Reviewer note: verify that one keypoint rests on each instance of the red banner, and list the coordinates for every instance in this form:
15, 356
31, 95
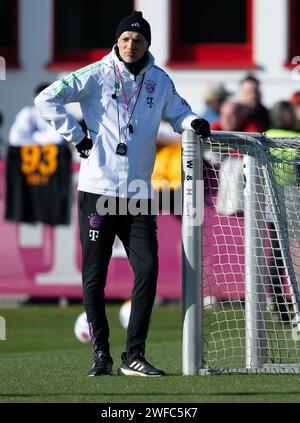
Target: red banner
44, 261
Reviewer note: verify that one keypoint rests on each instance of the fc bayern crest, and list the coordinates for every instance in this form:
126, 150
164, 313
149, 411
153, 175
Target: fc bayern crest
150, 86
95, 220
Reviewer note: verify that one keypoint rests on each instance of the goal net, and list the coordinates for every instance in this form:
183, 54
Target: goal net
249, 256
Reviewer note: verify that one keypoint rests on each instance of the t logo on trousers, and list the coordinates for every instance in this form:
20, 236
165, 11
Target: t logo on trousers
94, 235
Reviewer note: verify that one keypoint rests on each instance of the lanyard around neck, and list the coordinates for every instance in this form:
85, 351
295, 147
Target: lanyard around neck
137, 89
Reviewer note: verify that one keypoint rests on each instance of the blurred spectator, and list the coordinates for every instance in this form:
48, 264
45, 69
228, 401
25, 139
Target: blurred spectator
214, 94
38, 171
166, 135
167, 169
283, 124
250, 96
166, 176
230, 196
283, 120
30, 128
3, 144
234, 117
295, 101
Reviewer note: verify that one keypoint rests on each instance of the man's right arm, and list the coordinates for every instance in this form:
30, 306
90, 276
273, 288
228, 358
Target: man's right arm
51, 102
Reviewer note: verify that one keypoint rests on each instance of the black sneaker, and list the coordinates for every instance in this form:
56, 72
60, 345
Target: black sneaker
138, 366
102, 365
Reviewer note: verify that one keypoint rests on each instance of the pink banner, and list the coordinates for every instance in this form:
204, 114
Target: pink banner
42, 261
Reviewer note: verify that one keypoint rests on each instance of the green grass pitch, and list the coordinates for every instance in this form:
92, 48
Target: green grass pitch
41, 361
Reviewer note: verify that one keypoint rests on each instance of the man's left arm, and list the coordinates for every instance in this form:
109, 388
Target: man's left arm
179, 114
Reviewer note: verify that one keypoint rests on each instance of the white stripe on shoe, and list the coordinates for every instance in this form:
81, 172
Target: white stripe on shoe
128, 372
141, 366
133, 364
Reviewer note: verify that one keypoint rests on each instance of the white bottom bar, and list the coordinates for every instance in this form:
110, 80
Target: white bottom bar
266, 369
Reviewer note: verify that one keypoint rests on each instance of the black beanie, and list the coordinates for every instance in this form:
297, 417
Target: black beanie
135, 22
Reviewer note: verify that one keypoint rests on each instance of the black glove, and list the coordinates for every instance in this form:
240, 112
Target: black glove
84, 147
201, 127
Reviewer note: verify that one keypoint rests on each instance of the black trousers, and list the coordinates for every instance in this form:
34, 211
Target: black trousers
138, 234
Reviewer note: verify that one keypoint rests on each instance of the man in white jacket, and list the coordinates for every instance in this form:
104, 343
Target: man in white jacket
123, 98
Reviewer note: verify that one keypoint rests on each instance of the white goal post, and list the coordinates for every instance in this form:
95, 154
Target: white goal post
240, 254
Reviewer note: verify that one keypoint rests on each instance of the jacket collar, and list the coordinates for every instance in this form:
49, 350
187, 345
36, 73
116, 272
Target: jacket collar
123, 69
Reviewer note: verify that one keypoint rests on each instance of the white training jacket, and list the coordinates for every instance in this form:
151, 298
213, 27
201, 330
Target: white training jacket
105, 172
